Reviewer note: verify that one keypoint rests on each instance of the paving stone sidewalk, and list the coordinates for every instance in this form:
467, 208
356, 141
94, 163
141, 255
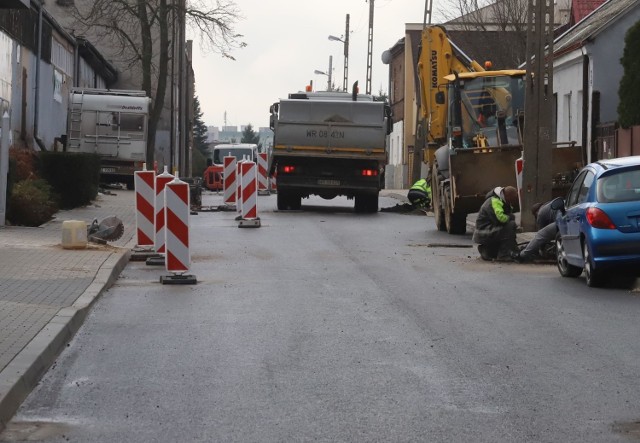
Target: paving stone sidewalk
46, 291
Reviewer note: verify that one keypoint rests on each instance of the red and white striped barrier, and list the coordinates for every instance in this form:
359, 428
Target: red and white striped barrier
249, 191
176, 198
249, 195
273, 182
229, 180
178, 254
239, 186
160, 230
144, 183
519, 167
263, 182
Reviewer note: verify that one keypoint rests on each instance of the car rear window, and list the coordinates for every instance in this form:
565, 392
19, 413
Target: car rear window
621, 187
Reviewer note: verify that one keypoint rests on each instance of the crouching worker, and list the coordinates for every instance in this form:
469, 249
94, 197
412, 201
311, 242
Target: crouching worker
419, 197
495, 230
546, 231
420, 194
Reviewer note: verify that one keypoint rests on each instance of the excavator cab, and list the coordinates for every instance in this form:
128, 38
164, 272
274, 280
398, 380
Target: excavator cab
484, 108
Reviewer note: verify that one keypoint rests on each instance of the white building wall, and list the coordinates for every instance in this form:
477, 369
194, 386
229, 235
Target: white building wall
394, 170
6, 77
396, 147
567, 85
604, 51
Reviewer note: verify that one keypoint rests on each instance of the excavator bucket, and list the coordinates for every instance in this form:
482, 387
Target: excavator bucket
476, 171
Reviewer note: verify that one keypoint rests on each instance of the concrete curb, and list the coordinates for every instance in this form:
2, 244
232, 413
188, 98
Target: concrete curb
22, 375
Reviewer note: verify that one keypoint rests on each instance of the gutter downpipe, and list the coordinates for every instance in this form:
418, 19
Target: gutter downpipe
76, 63
586, 108
37, 88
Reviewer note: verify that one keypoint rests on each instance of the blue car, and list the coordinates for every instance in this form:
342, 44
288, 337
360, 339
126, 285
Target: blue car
599, 222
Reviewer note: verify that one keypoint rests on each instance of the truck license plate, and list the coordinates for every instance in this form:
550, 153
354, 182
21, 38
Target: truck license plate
329, 182
108, 169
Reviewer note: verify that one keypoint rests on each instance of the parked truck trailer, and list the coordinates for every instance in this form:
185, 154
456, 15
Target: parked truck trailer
113, 124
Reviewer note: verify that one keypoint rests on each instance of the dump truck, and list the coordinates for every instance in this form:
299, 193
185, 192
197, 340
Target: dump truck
470, 125
329, 144
113, 124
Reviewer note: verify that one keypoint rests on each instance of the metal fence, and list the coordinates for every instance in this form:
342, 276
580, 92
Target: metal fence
612, 141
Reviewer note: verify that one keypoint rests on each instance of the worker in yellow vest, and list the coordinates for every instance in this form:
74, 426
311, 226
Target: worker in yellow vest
420, 194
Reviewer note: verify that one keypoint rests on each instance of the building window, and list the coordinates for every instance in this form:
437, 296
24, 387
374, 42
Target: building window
61, 58
568, 121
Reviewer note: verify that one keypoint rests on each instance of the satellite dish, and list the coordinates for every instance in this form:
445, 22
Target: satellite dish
386, 57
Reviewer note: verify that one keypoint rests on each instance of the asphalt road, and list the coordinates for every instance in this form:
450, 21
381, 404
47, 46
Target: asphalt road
327, 325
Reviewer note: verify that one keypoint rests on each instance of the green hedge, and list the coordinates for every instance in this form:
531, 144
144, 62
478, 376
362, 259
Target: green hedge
75, 177
31, 203
11, 177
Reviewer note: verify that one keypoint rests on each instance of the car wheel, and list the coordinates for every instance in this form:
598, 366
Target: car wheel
566, 269
593, 276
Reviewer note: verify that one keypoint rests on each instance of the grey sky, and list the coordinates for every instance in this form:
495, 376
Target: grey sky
287, 40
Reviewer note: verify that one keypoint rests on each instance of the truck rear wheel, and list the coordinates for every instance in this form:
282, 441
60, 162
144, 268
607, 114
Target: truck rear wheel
288, 200
438, 213
366, 203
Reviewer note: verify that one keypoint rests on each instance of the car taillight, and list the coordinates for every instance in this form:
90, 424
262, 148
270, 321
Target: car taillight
599, 219
288, 169
369, 172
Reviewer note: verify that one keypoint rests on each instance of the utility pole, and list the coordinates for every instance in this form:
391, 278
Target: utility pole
345, 42
345, 81
329, 86
370, 47
536, 173
4, 163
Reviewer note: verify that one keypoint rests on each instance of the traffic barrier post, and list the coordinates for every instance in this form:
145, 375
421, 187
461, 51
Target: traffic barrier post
160, 230
178, 254
229, 180
249, 192
144, 184
519, 167
263, 182
239, 187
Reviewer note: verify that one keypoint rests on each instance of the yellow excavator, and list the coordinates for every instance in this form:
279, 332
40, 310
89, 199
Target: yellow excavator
469, 122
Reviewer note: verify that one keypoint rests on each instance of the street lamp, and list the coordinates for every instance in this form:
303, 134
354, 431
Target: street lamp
346, 53
328, 75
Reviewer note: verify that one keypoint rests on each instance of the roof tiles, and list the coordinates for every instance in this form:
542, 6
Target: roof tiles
581, 8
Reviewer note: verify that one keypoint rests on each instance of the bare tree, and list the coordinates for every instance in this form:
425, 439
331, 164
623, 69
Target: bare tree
141, 36
495, 29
